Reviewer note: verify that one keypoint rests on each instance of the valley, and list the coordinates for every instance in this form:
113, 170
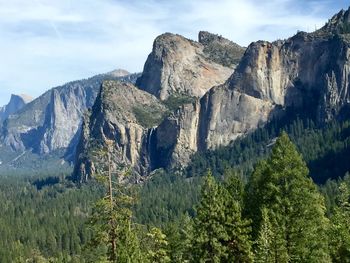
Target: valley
215, 152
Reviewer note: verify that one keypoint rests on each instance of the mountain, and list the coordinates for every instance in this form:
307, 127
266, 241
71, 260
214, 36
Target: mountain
51, 123
179, 66
338, 24
307, 74
16, 103
122, 114
177, 71
119, 73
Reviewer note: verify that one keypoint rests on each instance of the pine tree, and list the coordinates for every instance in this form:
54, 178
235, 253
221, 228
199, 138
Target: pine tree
234, 185
158, 253
238, 229
114, 235
263, 249
295, 208
219, 233
180, 238
340, 229
209, 231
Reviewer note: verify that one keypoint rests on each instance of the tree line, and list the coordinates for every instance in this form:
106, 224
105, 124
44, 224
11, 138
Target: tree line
278, 216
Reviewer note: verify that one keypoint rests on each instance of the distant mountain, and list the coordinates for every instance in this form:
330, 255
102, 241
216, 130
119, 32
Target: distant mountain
51, 123
119, 73
16, 103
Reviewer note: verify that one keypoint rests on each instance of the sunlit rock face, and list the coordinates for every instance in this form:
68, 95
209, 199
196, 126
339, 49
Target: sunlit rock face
125, 116
181, 66
307, 73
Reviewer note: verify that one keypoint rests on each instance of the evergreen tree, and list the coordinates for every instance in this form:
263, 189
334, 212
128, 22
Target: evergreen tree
264, 250
295, 208
209, 231
180, 238
234, 185
114, 234
340, 230
219, 233
158, 252
238, 229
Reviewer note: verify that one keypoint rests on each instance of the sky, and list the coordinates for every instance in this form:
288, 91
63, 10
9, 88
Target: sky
46, 43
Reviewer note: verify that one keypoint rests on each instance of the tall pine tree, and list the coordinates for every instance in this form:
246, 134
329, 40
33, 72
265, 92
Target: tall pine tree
219, 233
114, 235
294, 208
340, 230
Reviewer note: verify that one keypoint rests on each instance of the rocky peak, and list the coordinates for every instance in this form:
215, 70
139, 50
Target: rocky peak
16, 103
220, 49
178, 65
307, 73
125, 115
339, 23
119, 73
26, 98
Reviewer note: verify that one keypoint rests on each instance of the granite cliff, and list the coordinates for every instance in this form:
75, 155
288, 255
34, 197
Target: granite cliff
307, 73
176, 72
124, 115
179, 66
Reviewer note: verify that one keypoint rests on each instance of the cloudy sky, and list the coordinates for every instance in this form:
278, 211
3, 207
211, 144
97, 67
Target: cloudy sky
45, 43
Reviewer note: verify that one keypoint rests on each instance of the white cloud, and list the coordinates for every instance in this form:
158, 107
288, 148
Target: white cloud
45, 43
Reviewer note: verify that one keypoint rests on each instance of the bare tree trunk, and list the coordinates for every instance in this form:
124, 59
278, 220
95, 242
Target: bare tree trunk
112, 236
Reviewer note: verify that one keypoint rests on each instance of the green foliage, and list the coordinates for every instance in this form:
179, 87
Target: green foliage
294, 207
326, 150
114, 236
148, 116
219, 232
176, 100
46, 223
340, 230
106, 222
44, 219
158, 252
165, 198
264, 251
180, 236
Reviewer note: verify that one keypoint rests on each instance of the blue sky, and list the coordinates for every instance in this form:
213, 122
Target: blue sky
45, 43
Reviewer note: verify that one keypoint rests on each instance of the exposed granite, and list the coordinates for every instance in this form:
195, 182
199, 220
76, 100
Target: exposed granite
181, 66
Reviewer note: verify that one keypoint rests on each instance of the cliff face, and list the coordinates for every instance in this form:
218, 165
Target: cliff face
52, 121
307, 73
217, 119
180, 66
124, 115
177, 68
